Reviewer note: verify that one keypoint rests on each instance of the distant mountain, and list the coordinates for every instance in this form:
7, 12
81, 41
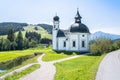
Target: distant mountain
100, 34
46, 27
116, 40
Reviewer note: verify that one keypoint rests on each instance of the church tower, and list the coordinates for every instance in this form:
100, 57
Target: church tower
54, 32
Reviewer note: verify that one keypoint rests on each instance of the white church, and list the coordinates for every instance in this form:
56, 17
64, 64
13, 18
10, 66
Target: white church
76, 38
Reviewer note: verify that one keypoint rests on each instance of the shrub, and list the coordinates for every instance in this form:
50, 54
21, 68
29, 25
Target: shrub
116, 45
100, 46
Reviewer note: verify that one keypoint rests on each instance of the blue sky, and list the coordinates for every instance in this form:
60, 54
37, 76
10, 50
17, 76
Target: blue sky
98, 15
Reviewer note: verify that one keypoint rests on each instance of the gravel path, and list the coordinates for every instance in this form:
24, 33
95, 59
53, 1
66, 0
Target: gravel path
46, 71
109, 68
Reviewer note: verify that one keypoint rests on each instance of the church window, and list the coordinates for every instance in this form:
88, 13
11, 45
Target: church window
73, 43
83, 35
64, 44
83, 43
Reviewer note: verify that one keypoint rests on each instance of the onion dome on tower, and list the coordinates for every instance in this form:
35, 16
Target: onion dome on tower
56, 18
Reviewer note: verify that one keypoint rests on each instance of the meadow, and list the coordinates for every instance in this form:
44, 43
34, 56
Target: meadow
82, 68
50, 54
53, 55
9, 55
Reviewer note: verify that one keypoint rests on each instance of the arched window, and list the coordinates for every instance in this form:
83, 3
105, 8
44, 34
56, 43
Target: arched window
83, 43
74, 44
64, 44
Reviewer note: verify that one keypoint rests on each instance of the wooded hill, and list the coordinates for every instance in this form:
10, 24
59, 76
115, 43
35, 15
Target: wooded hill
5, 26
46, 27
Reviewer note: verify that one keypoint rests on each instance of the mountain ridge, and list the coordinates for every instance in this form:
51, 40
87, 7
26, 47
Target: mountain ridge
100, 34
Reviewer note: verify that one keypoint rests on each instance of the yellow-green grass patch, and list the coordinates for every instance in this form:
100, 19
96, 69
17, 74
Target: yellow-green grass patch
82, 68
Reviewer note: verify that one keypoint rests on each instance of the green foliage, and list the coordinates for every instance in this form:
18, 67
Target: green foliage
26, 43
19, 41
46, 41
5, 26
33, 43
5, 44
11, 36
40, 30
116, 45
13, 45
101, 46
18, 75
33, 36
83, 68
46, 27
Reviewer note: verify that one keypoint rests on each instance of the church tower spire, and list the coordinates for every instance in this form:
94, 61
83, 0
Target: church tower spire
78, 17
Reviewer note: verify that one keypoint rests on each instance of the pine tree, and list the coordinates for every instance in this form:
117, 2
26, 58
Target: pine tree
19, 40
11, 36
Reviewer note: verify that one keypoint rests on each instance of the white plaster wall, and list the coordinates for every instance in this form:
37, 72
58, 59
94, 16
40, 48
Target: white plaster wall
58, 43
67, 45
54, 35
73, 37
56, 24
85, 38
54, 40
61, 43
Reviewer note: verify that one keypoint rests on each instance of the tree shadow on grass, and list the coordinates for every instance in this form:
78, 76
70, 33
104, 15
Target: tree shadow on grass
70, 52
94, 54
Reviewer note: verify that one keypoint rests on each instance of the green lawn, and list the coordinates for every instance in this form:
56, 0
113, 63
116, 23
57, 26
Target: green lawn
83, 68
52, 55
18, 75
8, 55
5, 56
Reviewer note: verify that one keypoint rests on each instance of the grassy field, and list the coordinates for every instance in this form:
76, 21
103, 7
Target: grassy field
83, 68
8, 55
16, 75
29, 61
52, 55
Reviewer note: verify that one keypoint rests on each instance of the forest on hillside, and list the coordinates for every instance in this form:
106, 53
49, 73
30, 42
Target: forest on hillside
5, 26
46, 27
